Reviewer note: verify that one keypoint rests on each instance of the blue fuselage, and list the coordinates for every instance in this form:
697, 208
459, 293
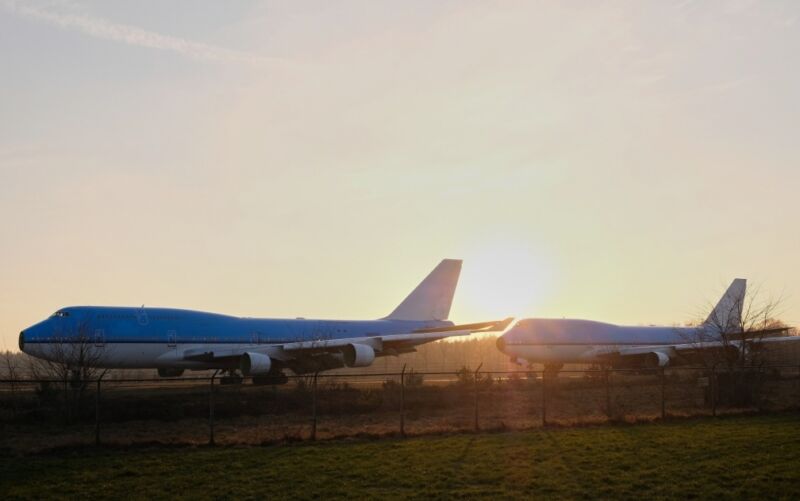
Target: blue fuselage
155, 337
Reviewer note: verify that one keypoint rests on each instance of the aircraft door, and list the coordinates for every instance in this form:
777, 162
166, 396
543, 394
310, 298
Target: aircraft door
172, 338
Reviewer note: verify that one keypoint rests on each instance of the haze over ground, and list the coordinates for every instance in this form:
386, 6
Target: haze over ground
621, 161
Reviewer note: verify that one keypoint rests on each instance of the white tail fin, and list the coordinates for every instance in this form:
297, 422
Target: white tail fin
432, 298
727, 315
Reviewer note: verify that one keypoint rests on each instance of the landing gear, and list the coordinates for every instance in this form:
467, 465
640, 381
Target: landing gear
231, 377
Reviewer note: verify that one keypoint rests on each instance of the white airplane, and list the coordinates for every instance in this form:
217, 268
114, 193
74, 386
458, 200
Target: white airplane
555, 342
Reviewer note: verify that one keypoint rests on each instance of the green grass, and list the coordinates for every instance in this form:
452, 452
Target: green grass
707, 458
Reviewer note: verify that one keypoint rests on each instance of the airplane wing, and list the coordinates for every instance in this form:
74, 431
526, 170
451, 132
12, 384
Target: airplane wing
661, 354
493, 326
380, 344
395, 342
296, 354
392, 344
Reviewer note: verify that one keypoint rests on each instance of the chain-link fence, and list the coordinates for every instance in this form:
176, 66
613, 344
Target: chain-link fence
44, 414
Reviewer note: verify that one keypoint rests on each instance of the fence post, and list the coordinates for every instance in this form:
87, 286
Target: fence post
15, 404
211, 409
663, 394
314, 407
477, 425
544, 398
403, 401
758, 386
712, 384
607, 383
66, 399
97, 411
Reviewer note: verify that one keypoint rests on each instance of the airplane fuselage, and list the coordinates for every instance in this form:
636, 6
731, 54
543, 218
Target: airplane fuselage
125, 337
555, 342
560, 341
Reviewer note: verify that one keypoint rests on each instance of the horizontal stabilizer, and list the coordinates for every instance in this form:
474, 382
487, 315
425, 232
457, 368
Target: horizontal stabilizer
494, 326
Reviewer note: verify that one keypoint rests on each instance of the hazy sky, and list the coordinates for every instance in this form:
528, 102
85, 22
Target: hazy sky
612, 160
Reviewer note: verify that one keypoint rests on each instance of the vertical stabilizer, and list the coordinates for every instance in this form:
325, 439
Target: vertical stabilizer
432, 298
727, 314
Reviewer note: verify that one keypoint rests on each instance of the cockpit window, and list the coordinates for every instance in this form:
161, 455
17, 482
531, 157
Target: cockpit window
60, 314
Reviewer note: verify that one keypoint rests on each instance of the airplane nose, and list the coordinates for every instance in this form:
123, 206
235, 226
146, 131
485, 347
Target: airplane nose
22, 341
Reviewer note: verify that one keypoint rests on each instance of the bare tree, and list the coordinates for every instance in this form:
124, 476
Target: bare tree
11, 372
737, 331
10, 365
73, 359
730, 343
442, 346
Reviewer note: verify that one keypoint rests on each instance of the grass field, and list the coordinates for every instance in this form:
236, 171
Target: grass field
754, 456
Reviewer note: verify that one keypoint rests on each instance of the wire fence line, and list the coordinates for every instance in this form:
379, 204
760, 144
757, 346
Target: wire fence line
41, 413
363, 375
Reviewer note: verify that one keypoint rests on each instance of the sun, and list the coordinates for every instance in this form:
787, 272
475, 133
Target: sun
504, 279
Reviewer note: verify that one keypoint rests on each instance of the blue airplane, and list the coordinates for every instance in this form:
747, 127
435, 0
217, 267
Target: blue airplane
555, 342
174, 340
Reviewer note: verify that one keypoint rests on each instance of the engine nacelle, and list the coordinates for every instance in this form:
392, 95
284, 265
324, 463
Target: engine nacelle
254, 364
657, 359
358, 355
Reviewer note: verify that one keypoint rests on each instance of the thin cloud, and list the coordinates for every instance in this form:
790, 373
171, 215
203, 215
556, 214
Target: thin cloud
132, 35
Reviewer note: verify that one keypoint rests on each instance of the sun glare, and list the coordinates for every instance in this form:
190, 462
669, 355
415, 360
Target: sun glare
505, 279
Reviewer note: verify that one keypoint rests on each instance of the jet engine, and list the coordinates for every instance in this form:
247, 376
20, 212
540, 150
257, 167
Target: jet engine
358, 355
657, 359
254, 364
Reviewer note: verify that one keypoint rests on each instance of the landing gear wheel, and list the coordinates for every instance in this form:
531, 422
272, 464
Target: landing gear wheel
231, 377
